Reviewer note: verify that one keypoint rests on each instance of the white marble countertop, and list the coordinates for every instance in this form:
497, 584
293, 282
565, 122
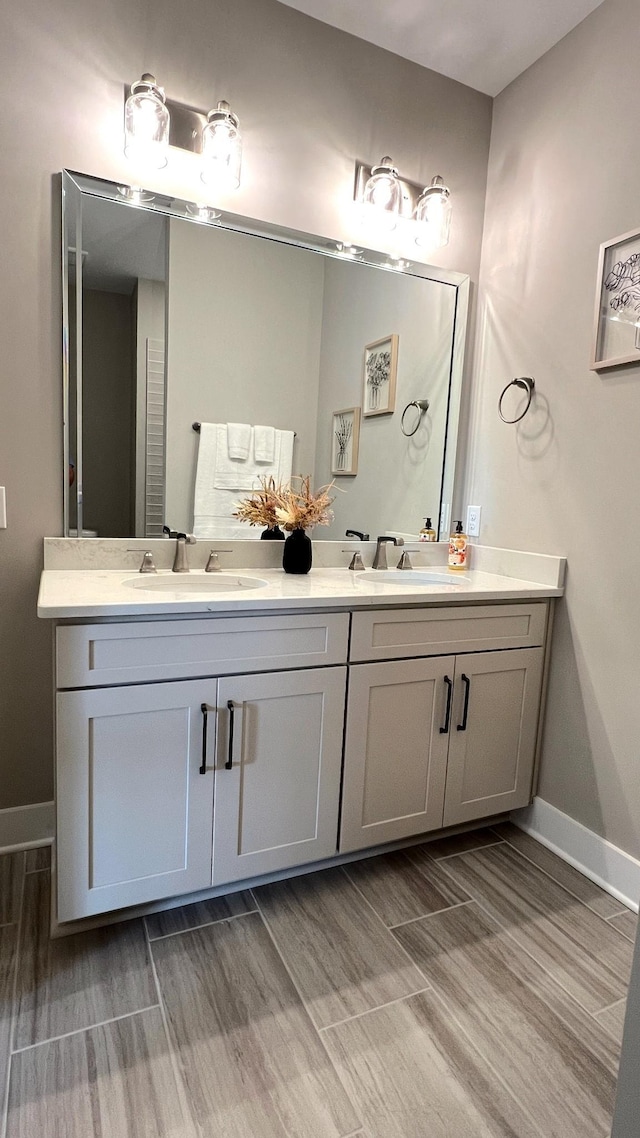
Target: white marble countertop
66, 594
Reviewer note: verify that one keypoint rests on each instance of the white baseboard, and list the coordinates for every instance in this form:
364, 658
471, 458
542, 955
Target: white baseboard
610, 867
23, 827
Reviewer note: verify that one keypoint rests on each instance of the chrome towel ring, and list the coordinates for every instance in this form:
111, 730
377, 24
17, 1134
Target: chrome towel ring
527, 384
421, 406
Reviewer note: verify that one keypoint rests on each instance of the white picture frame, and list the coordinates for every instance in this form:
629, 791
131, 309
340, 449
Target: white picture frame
379, 376
345, 442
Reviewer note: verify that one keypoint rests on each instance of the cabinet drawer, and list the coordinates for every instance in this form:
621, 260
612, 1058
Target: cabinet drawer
394, 634
98, 654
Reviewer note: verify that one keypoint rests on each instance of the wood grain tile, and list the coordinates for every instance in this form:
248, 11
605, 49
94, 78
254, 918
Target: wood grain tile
39, 858
399, 890
557, 1061
11, 877
8, 958
201, 913
587, 891
341, 957
410, 1071
79, 980
251, 1060
458, 843
590, 959
612, 1019
113, 1081
626, 923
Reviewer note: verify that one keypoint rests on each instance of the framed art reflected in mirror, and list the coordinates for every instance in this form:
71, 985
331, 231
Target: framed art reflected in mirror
345, 441
380, 371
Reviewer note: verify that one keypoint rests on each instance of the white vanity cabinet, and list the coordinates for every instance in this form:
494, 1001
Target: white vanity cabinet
140, 765
194, 753
434, 741
277, 780
134, 811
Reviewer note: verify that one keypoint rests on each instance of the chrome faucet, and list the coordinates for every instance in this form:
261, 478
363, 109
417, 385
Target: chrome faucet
380, 558
180, 561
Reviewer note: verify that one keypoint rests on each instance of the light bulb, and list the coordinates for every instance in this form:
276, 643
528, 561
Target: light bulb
433, 215
221, 149
146, 124
382, 196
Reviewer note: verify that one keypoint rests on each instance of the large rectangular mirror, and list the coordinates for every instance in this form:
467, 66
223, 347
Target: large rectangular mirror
203, 354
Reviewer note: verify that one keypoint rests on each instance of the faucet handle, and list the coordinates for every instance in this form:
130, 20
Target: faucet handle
405, 561
213, 564
147, 561
356, 564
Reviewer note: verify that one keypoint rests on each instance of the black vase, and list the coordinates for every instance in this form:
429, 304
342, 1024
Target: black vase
297, 552
274, 533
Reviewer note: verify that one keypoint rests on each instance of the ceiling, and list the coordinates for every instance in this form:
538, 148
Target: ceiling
120, 245
483, 43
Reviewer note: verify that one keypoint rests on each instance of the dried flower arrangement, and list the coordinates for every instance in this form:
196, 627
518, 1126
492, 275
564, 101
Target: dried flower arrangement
286, 506
259, 509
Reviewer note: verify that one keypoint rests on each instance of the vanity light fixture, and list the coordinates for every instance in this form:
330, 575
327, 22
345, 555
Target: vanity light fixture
382, 195
433, 215
146, 124
221, 148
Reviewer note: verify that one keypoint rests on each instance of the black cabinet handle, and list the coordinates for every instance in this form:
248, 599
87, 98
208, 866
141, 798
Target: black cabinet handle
205, 714
229, 763
447, 715
465, 711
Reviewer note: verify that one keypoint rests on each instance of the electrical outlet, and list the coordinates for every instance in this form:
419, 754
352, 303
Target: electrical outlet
3, 508
474, 514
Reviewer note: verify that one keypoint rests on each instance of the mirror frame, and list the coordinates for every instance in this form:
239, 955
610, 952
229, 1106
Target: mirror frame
76, 186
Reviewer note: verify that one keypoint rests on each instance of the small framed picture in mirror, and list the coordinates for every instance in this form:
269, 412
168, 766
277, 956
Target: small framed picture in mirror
379, 376
345, 440
616, 334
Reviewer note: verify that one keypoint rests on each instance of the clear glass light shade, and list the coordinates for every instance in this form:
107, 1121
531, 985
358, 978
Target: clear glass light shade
382, 196
221, 149
146, 124
433, 215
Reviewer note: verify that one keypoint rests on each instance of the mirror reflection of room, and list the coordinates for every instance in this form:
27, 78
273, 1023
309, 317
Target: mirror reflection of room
214, 359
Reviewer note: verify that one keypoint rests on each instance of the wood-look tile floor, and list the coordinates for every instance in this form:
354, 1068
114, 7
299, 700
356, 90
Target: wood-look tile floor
472, 987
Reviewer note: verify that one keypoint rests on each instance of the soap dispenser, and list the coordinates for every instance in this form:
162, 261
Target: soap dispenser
458, 548
427, 533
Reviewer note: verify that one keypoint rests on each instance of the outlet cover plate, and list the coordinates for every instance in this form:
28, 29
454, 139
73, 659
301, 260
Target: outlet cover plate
3, 508
474, 515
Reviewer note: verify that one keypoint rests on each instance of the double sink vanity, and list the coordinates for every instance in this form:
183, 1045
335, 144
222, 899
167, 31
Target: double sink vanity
219, 728
214, 729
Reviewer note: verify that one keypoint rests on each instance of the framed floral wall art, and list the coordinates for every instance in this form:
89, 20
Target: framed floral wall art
379, 376
345, 440
616, 337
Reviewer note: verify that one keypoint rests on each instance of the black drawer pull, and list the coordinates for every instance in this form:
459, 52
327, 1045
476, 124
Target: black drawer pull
229, 763
465, 711
447, 716
205, 715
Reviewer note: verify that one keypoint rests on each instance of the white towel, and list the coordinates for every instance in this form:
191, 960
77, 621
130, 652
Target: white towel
239, 440
232, 473
264, 444
214, 504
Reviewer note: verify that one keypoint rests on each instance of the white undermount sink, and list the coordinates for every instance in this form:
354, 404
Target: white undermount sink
203, 583
410, 577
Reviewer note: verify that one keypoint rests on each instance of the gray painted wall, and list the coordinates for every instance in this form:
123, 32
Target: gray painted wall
311, 100
398, 479
563, 177
244, 321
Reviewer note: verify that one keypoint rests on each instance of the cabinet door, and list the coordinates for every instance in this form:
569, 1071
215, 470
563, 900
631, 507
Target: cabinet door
277, 782
134, 813
395, 751
492, 746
